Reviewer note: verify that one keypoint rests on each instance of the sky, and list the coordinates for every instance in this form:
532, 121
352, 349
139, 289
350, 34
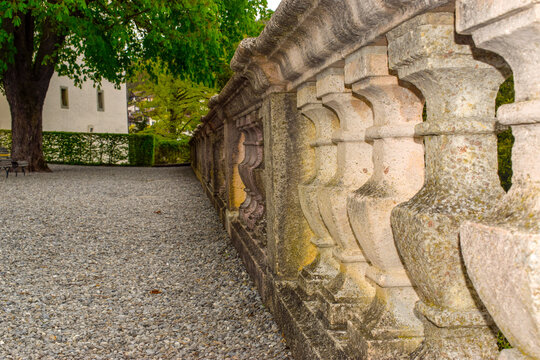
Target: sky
273, 4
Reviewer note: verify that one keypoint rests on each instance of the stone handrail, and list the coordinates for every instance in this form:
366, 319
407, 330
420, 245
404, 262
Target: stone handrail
370, 232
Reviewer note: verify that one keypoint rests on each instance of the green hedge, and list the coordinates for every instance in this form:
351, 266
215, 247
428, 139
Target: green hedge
85, 148
107, 149
141, 150
169, 151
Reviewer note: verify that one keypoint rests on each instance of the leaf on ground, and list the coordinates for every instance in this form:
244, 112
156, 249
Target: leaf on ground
155, 291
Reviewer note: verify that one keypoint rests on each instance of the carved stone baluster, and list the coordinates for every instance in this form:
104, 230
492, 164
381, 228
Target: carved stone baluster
502, 250
324, 267
208, 155
252, 209
204, 149
460, 84
349, 291
388, 329
243, 170
217, 160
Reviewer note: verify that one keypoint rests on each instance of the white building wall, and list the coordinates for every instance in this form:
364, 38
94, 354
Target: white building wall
82, 113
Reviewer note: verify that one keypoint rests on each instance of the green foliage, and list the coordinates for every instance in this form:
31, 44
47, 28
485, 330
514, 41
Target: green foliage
108, 149
239, 19
80, 148
505, 142
169, 151
176, 105
5, 139
141, 150
506, 94
102, 39
95, 40
502, 342
505, 139
85, 148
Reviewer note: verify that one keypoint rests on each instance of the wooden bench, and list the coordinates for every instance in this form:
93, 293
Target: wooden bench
8, 164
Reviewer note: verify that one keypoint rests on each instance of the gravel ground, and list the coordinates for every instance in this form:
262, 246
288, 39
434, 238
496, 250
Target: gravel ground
123, 263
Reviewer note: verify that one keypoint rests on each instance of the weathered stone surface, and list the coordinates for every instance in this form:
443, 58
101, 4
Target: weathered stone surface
513, 354
324, 267
459, 84
388, 328
289, 162
234, 153
348, 291
502, 248
305, 37
252, 210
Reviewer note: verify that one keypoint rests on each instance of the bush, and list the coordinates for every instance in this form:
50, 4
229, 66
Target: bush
141, 150
108, 149
5, 139
85, 148
169, 151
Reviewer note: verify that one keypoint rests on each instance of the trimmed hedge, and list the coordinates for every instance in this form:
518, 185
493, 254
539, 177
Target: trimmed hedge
141, 150
169, 151
107, 149
85, 148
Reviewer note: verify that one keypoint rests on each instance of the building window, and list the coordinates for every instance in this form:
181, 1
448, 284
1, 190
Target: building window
64, 97
100, 100
90, 128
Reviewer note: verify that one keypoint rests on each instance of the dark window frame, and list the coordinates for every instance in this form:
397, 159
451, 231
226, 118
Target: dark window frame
100, 100
64, 104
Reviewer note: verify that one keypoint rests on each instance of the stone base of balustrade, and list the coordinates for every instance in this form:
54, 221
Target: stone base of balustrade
382, 349
339, 299
383, 342
313, 277
197, 173
220, 206
254, 259
216, 201
456, 343
306, 335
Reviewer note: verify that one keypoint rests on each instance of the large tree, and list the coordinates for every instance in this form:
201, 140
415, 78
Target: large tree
91, 40
176, 104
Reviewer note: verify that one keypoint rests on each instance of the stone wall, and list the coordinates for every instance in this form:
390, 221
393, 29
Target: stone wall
370, 233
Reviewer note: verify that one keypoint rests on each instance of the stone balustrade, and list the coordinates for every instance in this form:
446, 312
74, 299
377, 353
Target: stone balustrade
373, 231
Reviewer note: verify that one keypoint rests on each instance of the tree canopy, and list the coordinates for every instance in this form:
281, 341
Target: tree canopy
101, 39
95, 39
176, 104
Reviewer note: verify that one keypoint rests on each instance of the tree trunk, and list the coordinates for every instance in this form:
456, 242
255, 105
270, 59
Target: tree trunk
26, 98
26, 81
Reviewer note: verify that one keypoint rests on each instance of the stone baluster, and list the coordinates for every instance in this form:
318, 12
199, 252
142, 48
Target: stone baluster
208, 155
388, 329
243, 168
349, 291
324, 267
218, 160
460, 84
252, 209
204, 149
502, 250
234, 154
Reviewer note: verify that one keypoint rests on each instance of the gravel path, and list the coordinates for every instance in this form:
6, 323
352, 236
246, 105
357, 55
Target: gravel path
123, 263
